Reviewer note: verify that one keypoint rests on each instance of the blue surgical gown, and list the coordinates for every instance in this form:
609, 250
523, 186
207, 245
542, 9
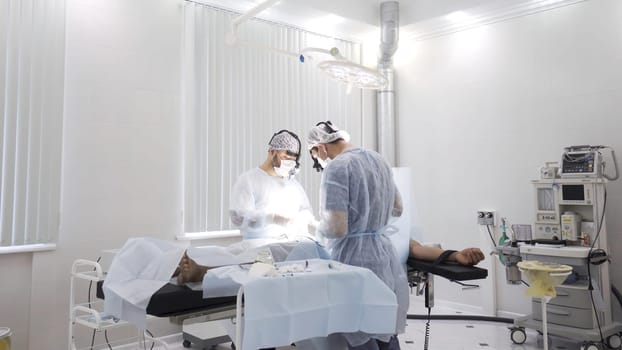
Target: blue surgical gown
360, 183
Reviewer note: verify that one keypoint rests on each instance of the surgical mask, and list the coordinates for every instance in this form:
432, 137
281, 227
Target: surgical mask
287, 169
323, 162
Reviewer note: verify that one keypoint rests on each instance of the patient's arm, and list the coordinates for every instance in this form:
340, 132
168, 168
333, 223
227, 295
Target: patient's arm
468, 256
280, 219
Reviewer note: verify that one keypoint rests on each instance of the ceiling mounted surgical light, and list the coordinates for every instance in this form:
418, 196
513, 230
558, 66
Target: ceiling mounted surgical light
354, 74
336, 66
339, 68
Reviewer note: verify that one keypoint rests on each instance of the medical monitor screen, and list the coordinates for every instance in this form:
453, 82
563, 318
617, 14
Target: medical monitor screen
573, 193
546, 199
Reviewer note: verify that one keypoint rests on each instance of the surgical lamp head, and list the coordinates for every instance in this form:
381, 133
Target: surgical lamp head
341, 69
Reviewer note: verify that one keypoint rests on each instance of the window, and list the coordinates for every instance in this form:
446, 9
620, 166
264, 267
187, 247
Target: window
235, 97
31, 108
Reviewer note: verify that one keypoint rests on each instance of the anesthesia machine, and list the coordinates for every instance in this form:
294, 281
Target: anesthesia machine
569, 229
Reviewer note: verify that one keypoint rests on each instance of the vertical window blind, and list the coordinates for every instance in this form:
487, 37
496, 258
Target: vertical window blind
235, 97
32, 49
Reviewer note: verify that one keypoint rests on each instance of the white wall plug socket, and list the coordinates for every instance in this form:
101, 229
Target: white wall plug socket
486, 217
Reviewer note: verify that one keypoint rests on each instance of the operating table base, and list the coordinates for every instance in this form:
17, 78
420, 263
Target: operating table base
204, 335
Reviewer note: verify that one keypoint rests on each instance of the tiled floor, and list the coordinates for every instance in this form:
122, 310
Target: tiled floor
467, 335
458, 335
464, 335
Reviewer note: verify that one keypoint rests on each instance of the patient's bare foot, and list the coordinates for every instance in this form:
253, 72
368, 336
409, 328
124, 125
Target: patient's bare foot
190, 271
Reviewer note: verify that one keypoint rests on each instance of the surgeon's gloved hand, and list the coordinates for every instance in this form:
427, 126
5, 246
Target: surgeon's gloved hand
236, 219
312, 226
255, 221
245, 220
281, 220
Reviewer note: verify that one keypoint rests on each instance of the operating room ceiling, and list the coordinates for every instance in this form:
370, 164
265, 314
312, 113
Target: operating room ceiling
359, 19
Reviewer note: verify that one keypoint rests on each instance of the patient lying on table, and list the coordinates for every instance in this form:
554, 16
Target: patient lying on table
192, 270
144, 265
189, 271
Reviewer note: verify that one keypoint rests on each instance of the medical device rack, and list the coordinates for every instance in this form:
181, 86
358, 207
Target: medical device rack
90, 314
582, 309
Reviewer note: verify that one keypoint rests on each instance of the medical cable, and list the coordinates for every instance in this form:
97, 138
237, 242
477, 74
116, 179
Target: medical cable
93, 340
617, 294
615, 164
426, 340
89, 302
494, 244
525, 283
107, 341
460, 318
152, 337
593, 254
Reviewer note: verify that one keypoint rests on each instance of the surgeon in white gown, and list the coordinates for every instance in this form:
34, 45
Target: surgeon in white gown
267, 202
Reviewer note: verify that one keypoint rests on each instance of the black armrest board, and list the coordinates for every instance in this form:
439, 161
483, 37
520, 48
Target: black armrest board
172, 300
450, 270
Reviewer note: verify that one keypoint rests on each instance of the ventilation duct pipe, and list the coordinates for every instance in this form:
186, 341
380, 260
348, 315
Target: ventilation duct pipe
385, 98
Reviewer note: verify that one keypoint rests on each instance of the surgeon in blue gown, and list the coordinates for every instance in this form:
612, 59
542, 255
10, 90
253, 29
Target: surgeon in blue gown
358, 199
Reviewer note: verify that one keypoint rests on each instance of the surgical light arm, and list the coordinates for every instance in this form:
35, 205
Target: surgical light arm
337, 67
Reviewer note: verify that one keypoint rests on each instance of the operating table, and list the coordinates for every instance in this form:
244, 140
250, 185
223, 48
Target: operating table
421, 275
175, 300
348, 299
180, 303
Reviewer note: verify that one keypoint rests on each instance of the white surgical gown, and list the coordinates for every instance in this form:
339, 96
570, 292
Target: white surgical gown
360, 183
265, 206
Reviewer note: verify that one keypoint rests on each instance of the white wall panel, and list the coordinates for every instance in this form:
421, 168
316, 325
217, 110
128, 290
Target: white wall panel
121, 151
481, 110
32, 54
